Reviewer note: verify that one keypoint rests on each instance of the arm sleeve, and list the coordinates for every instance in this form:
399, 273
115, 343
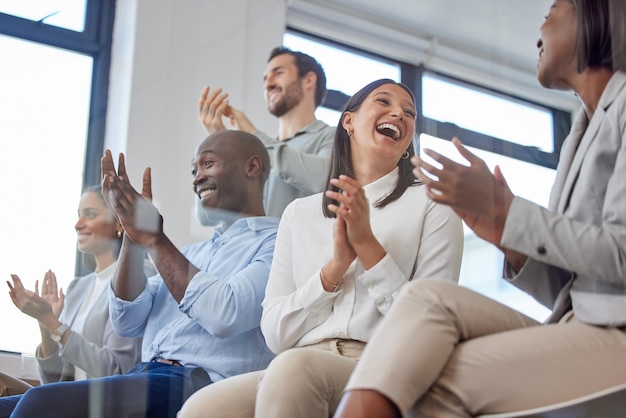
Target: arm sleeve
129, 318
290, 311
439, 257
305, 170
116, 355
233, 306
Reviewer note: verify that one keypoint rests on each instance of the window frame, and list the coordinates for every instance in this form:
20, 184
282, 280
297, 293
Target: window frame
412, 75
95, 41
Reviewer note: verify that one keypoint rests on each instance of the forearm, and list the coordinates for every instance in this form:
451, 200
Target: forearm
369, 253
174, 268
48, 346
129, 279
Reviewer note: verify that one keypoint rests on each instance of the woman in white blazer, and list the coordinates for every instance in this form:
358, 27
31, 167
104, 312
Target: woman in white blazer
446, 351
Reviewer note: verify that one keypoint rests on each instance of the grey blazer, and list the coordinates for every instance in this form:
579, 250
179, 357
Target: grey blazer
577, 247
99, 351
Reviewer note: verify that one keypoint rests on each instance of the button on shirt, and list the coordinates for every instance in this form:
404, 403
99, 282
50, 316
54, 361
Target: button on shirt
421, 238
216, 325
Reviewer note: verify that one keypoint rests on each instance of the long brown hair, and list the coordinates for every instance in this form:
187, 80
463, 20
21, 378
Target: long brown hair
341, 161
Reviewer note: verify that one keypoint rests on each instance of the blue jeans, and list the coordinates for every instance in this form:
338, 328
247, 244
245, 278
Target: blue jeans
154, 390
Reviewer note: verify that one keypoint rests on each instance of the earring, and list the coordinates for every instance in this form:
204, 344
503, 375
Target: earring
405, 155
349, 132
119, 233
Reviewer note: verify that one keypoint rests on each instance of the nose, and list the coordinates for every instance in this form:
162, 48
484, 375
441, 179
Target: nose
397, 111
539, 43
198, 178
79, 224
268, 82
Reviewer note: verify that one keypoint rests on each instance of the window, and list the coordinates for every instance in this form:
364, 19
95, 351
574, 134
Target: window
68, 14
53, 100
522, 137
339, 64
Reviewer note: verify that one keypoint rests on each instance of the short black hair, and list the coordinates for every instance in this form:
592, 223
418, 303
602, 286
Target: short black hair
305, 64
594, 45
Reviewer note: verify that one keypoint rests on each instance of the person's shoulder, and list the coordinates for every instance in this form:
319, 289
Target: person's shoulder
304, 207
262, 223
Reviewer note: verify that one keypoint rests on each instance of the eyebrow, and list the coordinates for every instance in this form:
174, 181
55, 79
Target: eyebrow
385, 93
273, 70
201, 154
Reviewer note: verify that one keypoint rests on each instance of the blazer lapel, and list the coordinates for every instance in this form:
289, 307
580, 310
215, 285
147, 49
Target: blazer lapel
570, 145
570, 171
79, 292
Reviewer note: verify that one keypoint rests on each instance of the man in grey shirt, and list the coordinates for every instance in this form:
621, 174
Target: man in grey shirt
294, 85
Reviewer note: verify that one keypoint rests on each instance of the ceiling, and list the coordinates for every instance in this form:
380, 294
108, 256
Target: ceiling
488, 42
503, 29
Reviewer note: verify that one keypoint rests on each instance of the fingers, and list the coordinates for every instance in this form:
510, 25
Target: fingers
17, 283
422, 166
106, 163
464, 151
203, 95
121, 166
497, 173
146, 188
50, 284
210, 101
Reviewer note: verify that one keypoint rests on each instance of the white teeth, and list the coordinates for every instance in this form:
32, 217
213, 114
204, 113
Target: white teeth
389, 126
206, 192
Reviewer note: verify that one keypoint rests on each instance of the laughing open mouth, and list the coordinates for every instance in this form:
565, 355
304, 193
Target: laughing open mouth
389, 130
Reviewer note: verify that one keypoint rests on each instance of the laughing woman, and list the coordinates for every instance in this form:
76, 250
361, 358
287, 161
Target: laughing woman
77, 340
341, 258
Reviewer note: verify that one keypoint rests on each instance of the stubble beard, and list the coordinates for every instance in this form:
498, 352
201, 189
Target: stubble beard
291, 97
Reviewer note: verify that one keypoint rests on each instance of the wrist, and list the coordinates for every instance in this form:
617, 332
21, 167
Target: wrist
330, 285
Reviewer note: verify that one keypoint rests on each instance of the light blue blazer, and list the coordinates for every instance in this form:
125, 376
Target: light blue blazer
577, 247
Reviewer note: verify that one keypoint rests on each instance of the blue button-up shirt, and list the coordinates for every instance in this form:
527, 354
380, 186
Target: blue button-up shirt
216, 324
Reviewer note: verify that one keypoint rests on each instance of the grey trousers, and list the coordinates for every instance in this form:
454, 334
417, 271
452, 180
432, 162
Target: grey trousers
446, 351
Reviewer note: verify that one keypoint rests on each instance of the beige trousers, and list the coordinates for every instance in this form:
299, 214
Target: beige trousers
10, 385
301, 382
446, 351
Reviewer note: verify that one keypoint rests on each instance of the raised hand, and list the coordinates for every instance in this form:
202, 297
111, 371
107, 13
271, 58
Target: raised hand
141, 220
51, 293
480, 198
213, 105
30, 302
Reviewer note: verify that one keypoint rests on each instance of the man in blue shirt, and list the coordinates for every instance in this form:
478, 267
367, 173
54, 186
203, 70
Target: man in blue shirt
200, 315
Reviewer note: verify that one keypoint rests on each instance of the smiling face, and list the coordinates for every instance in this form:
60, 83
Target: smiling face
384, 124
219, 175
557, 62
282, 85
96, 226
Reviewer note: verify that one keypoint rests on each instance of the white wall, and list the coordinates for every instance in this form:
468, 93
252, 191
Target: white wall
164, 52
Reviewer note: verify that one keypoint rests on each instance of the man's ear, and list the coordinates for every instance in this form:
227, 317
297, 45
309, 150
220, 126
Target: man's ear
254, 166
309, 81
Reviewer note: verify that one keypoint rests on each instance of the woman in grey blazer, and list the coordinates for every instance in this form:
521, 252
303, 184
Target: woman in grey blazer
78, 341
447, 351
